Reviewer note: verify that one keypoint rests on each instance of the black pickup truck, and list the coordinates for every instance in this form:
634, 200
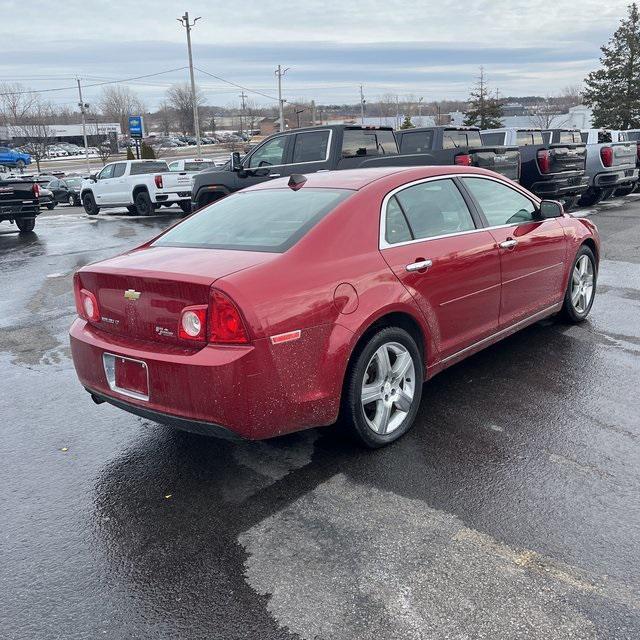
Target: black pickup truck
336, 147
19, 202
551, 168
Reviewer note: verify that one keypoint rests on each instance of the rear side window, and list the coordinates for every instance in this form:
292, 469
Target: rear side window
500, 204
118, 169
311, 147
524, 138
270, 153
426, 210
267, 220
631, 136
143, 168
368, 142
416, 142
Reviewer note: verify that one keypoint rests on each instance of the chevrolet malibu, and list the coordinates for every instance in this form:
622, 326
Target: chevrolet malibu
291, 303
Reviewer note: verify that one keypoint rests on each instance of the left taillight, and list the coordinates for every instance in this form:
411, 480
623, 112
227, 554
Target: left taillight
86, 302
463, 160
36, 190
158, 181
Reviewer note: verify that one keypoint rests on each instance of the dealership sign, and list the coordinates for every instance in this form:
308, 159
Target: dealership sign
136, 126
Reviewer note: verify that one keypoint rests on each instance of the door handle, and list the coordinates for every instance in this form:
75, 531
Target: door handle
419, 266
508, 244
274, 175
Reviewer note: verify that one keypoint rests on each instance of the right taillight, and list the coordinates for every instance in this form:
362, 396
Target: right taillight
36, 190
638, 151
86, 302
544, 160
606, 155
225, 322
158, 181
463, 159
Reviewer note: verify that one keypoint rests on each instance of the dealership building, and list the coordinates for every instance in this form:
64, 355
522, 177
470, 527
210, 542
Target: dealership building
97, 132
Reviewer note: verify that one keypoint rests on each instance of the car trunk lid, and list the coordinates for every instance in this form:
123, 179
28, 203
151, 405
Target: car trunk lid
141, 294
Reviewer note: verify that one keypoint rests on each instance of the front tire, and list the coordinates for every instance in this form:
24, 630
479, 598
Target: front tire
20, 165
383, 387
581, 289
143, 203
51, 206
25, 225
89, 204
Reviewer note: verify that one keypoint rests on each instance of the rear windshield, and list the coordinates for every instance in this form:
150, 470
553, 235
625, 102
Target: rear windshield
416, 142
198, 166
570, 137
141, 168
267, 220
453, 139
491, 139
528, 138
368, 142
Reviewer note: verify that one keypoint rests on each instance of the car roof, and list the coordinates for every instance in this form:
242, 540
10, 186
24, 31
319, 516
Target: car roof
358, 178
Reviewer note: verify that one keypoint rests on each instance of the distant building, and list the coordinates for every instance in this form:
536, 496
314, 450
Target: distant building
271, 125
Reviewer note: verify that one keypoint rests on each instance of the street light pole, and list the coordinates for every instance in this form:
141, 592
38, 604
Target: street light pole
184, 21
83, 108
362, 101
280, 72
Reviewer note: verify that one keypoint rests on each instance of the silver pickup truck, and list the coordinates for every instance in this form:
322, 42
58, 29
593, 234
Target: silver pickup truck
610, 165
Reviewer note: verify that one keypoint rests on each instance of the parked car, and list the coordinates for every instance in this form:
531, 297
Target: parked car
46, 197
280, 307
194, 165
139, 185
63, 191
610, 165
19, 202
14, 158
548, 169
74, 186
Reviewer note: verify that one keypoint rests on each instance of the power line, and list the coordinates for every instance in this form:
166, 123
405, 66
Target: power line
235, 84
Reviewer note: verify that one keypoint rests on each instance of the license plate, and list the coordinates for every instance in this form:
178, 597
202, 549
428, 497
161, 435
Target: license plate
127, 375
628, 172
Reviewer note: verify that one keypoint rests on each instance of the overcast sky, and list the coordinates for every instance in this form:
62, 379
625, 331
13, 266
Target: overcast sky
430, 49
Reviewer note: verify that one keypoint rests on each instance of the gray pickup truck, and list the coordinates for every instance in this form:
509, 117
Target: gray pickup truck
336, 147
609, 165
19, 202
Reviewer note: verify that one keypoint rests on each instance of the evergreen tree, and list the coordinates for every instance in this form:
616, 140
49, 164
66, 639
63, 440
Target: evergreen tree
483, 111
407, 124
147, 152
130, 154
613, 91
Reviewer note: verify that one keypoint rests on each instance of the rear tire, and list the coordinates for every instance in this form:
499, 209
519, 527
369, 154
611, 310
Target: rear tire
51, 206
185, 205
132, 211
25, 225
591, 196
570, 203
581, 288
144, 206
382, 392
89, 204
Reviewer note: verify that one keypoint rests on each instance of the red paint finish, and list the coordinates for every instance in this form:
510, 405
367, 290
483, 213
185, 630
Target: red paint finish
331, 286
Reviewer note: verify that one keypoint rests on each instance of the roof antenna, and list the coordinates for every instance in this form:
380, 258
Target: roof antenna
296, 181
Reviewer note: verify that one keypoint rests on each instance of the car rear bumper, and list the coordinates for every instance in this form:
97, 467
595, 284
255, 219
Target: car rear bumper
12, 211
561, 186
251, 391
615, 178
176, 196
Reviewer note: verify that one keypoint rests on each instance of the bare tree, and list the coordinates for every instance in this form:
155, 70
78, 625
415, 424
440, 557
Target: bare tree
165, 118
104, 152
180, 98
548, 115
118, 103
570, 96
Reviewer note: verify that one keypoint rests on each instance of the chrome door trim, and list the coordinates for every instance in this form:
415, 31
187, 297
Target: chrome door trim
291, 133
538, 315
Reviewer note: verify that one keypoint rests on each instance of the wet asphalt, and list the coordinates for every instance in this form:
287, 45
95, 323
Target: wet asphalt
512, 510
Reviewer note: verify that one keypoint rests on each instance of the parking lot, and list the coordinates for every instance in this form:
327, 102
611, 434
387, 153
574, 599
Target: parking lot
510, 511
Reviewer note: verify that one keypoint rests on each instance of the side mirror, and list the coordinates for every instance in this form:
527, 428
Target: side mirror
236, 163
93, 177
551, 209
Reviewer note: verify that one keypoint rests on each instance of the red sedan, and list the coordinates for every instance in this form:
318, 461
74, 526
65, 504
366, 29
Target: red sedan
284, 305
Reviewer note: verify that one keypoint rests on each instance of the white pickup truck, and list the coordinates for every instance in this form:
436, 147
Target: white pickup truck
193, 165
142, 186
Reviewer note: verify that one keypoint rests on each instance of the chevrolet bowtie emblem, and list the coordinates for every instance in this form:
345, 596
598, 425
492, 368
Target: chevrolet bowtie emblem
131, 294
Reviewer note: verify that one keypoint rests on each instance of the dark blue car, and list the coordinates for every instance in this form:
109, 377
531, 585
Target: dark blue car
13, 158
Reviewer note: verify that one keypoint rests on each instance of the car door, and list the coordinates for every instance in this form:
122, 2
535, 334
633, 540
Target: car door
436, 247
120, 188
103, 188
268, 161
55, 186
532, 250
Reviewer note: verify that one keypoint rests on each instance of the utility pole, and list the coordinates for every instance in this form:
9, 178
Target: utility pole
362, 101
83, 110
420, 111
397, 112
184, 21
313, 112
243, 96
280, 72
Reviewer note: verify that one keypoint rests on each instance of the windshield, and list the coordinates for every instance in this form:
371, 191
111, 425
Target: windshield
267, 220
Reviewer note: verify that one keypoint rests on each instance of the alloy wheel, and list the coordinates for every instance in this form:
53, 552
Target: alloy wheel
582, 284
388, 388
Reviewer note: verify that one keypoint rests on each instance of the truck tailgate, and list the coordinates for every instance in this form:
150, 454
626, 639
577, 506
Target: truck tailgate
174, 181
624, 153
503, 160
567, 157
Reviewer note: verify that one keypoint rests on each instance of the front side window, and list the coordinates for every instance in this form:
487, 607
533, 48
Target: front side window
368, 142
265, 220
107, 172
270, 153
311, 147
427, 210
500, 204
